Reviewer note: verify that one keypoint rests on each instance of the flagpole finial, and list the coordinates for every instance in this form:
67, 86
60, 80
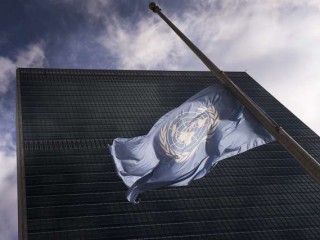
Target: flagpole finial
154, 7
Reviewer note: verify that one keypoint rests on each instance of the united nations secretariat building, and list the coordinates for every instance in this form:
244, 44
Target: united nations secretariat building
67, 183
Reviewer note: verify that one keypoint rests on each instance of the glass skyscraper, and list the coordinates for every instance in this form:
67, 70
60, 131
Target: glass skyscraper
68, 188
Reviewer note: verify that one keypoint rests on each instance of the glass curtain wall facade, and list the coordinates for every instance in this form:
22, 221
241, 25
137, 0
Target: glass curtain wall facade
68, 188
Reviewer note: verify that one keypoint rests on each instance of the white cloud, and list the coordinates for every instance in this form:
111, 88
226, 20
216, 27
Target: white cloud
32, 56
139, 47
6, 74
8, 199
277, 41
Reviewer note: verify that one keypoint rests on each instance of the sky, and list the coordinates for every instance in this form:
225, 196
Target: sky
277, 42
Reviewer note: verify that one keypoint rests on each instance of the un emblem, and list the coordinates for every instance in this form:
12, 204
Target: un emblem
181, 137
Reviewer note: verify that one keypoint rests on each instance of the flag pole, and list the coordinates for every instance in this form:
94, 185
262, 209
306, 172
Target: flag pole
301, 155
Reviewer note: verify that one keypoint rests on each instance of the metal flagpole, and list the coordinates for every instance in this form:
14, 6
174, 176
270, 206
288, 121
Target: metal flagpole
301, 155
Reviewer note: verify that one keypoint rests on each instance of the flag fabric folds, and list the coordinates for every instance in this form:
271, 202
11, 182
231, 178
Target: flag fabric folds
187, 142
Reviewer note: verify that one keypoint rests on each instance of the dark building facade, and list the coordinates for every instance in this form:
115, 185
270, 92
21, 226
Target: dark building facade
68, 188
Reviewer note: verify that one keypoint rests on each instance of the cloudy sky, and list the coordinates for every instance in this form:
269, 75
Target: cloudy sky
276, 41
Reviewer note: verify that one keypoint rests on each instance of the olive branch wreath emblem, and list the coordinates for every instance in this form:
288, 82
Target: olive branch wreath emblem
213, 122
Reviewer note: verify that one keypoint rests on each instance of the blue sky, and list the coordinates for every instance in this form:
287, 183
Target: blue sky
275, 41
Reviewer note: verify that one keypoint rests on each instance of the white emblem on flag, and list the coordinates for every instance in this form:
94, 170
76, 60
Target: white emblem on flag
181, 138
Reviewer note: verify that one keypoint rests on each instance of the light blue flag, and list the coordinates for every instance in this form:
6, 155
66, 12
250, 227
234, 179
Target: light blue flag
187, 142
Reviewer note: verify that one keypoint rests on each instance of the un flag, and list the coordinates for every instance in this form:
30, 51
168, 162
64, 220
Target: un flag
187, 142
